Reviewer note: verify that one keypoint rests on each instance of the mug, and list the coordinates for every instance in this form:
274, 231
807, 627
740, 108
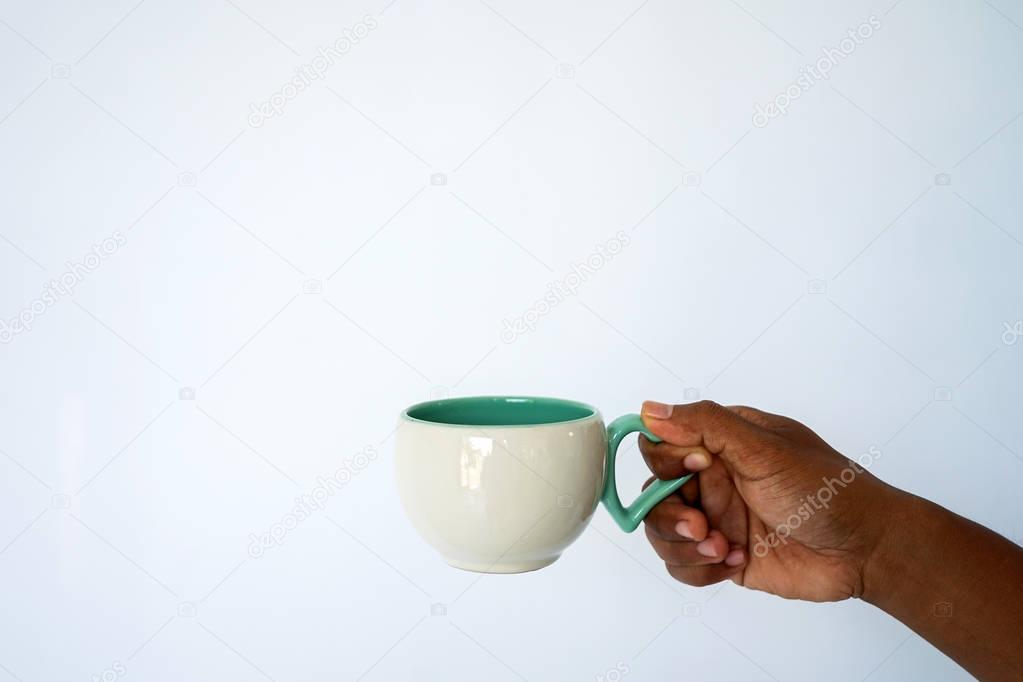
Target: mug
503, 484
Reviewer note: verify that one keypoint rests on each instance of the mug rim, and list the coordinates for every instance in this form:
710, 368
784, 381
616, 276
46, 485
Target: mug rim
591, 411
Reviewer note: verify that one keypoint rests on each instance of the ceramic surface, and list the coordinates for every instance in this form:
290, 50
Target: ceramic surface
505, 494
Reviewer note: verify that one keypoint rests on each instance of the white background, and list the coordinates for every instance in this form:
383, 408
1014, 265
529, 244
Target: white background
855, 263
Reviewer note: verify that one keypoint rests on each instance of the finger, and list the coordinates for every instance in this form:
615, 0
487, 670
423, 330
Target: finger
712, 550
721, 431
669, 461
674, 521
690, 492
701, 576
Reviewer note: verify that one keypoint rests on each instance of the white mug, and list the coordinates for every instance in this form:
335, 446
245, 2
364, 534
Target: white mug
500, 484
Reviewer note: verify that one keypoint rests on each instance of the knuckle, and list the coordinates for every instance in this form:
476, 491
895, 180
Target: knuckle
745, 410
708, 408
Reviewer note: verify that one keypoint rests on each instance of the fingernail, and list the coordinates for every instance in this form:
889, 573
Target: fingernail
656, 410
734, 558
706, 548
682, 528
696, 461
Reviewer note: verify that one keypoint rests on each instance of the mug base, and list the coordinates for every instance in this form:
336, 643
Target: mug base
502, 566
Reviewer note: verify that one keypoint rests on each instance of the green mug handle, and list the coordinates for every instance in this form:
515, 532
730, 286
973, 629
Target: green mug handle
629, 518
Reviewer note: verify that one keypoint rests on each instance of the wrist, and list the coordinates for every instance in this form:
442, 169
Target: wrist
899, 521
949, 580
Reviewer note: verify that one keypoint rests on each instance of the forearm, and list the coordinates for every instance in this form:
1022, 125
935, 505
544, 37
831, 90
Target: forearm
955, 583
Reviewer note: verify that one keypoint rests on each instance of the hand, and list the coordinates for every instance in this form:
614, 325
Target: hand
774, 507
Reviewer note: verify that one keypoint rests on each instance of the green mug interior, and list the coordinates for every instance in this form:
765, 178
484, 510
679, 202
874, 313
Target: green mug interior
499, 411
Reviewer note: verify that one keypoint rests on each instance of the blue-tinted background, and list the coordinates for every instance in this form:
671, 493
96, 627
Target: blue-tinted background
254, 292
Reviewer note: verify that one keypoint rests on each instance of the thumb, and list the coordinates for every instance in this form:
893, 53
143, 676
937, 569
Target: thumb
719, 430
